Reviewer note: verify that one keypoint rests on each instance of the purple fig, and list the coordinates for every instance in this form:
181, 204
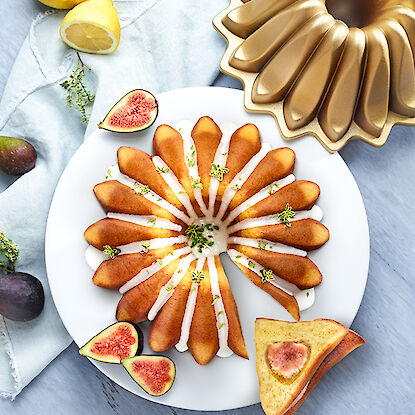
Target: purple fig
17, 156
21, 296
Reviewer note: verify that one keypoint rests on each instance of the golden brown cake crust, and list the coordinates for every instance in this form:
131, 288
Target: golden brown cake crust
181, 202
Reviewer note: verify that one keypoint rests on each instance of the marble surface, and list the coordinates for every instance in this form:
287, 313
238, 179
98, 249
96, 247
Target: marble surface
377, 378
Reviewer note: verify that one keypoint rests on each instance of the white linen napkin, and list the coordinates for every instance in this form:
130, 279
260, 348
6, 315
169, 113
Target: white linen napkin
164, 45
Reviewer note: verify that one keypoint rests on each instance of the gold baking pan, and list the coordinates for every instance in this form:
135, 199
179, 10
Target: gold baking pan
317, 75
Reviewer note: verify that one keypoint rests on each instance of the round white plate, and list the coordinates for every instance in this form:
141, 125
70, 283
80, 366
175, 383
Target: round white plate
85, 309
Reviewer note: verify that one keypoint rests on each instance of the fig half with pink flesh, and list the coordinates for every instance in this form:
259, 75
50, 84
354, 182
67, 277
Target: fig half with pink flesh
287, 359
135, 111
116, 342
155, 374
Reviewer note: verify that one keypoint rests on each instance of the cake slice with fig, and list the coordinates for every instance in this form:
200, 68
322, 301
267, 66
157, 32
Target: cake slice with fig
291, 358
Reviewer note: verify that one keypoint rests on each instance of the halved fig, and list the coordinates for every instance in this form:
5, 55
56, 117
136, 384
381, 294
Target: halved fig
135, 111
140, 341
116, 342
155, 374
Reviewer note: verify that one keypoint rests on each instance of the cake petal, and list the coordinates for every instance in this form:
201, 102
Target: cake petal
114, 273
137, 302
247, 18
244, 144
166, 327
139, 166
116, 232
168, 144
300, 195
203, 340
304, 98
275, 165
293, 268
287, 301
116, 197
235, 338
307, 234
206, 136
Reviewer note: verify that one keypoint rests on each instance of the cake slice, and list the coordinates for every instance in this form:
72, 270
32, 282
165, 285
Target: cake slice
292, 357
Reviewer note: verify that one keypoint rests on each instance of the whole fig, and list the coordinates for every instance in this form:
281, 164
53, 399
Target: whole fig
17, 156
21, 296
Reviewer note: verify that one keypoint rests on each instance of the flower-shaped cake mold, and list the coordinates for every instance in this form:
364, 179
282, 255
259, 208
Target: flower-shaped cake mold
316, 74
206, 191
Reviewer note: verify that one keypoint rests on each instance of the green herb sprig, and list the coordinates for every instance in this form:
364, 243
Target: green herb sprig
197, 276
77, 94
9, 252
285, 216
146, 246
141, 189
218, 171
196, 236
196, 183
112, 252
266, 275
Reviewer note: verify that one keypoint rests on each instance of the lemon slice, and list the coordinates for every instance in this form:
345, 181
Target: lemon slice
92, 27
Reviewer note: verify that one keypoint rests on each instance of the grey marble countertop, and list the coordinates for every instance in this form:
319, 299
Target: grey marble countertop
377, 378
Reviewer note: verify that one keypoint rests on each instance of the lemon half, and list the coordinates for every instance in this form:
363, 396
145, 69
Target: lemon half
92, 27
61, 4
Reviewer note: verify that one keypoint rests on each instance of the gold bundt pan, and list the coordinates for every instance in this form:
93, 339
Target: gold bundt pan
315, 74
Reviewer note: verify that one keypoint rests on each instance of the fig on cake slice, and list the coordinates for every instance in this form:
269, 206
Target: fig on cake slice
116, 342
287, 359
134, 112
154, 374
17, 156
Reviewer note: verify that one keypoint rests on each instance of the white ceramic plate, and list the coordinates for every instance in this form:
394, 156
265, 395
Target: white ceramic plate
86, 309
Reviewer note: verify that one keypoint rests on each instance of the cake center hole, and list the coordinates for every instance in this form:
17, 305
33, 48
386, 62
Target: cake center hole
206, 237
355, 13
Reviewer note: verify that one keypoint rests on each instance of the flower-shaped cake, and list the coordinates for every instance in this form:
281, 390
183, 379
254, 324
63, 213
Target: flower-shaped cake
301, 62
206, 191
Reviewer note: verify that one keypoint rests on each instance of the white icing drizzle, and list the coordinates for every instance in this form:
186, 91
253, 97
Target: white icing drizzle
185, 129
241, 178
94, 257
167, 290
114, 173
155, 243
221, 318
156, 266
267, 245
314, 213
181, 346
221, 158
144, 220
304, 301
174, 184
257, 197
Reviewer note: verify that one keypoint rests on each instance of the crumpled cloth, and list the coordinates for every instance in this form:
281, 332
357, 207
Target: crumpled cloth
164, 45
